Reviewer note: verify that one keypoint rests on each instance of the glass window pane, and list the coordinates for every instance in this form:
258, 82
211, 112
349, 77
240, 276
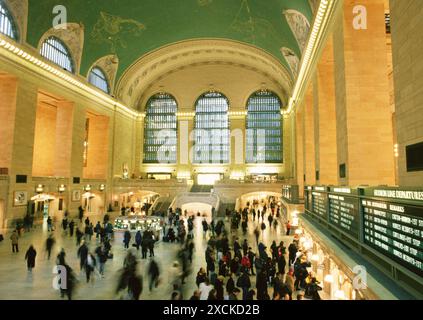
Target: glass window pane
212, 136
7, 25
160, 130
264, 128
54, 50
99, 79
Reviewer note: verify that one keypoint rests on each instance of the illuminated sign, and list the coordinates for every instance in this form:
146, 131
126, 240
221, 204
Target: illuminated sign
399, 194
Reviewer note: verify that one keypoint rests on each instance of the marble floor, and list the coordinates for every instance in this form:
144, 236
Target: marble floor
16, 283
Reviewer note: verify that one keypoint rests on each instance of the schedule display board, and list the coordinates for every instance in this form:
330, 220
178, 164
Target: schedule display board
344, 210
393, 225
319, 202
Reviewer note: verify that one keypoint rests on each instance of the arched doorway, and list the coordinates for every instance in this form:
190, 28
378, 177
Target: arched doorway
257, 199
193, 208
137, 202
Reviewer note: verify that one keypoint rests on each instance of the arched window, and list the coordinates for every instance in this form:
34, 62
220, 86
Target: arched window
212, 129
7, 25
55, 50
160, 131
98, 78
264, 128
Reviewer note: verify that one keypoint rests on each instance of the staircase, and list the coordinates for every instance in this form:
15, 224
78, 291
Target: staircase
160, 206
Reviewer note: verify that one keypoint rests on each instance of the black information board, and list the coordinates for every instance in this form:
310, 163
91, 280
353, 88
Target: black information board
344, 213
319, 202
396, 230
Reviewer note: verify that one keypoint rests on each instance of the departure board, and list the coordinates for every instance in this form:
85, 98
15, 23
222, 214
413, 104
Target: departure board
344, 213
395, 230
318, 202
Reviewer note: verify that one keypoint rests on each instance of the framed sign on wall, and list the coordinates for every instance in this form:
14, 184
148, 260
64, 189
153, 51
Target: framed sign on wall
20, 198
76, 195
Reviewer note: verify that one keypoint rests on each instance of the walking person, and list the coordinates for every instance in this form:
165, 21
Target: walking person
30, 258
15, 241
126, 239
71, 228
151, 247
288, 228
82, 255
154, 274
102, 259
90, 264
49, 224
138, 239
144, 248
49, 245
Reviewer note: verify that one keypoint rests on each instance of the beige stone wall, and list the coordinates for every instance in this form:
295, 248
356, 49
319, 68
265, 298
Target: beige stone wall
407, 48
44, 141
363, 107
98, 147
299, 148
8, 90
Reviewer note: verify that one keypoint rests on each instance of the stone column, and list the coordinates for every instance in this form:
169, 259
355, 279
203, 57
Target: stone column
407, 50
326, 148
309, 143
237, 143
364, 133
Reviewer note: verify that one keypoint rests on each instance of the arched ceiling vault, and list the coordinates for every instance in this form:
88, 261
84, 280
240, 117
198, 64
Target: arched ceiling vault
150, 69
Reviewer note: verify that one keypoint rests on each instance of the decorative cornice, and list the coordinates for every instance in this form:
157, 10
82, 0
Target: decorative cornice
321, 26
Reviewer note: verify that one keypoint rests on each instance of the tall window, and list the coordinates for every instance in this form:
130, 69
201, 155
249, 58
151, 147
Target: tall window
264, 128
55, 50
160, 132
98, 78
7, 25
212, 135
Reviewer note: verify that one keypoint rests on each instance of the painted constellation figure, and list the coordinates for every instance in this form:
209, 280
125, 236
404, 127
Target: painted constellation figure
111, 29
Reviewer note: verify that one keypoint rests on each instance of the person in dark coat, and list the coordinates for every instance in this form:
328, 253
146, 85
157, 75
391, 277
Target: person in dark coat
219, 288
144, 248
154, 274
97, 230
49, 245
230, 284
71, 228
251, 257
261, 285
126, 239
82, 255
151, 247
292, 249
81, 213
138, 239
30, 258
79, 235
250, 295
244, 283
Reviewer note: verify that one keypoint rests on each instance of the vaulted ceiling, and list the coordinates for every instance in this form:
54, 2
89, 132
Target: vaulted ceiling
132, 28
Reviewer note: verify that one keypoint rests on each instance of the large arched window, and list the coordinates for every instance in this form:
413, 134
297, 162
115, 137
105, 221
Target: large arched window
160, 131
264, 128
212, 129
56, 51
7, 25
98, 78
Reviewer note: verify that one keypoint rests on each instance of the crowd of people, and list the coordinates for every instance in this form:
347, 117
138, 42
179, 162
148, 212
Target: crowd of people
235, 267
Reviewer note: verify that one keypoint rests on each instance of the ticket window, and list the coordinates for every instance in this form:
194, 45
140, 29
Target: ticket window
208, 179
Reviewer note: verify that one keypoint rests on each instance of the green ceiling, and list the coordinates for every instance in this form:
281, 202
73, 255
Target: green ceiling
146, 25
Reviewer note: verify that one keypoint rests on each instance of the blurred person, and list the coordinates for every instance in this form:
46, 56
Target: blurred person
30, 258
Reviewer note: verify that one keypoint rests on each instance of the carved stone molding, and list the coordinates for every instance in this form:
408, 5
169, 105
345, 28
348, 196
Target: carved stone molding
109, 64
299, 25
19, 11
154, 65
73, 37
314, 4
292, 59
